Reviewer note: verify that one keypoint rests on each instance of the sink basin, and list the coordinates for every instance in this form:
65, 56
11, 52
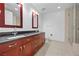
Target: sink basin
16, 37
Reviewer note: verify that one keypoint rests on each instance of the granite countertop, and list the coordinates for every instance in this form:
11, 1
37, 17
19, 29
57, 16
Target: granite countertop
5, 38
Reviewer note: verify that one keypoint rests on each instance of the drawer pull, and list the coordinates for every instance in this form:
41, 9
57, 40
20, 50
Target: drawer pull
15, 44
21, 48
12, 45
24, 46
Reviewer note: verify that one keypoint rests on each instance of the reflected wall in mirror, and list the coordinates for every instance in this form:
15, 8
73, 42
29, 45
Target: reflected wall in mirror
12, 15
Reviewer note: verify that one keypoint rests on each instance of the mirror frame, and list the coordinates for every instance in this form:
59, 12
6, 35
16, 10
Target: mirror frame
33, 19
3, 18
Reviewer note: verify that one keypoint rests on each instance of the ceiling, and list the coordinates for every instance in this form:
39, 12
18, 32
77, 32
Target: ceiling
51, 7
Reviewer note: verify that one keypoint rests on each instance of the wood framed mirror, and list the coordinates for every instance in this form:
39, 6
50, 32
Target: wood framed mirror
11, 15
34, 20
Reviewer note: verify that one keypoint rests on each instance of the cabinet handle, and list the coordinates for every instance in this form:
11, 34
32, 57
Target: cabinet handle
15, 44
21, 48
12, 45
24, 46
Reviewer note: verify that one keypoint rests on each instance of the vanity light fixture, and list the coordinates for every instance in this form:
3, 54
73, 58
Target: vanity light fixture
19, 5
35, 12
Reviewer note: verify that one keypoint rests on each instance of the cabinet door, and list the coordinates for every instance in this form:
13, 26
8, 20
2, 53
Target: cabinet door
12, 52
42, 38
27, 49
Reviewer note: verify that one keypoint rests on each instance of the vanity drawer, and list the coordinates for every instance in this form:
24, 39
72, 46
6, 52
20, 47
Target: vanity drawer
11, 44
8, 45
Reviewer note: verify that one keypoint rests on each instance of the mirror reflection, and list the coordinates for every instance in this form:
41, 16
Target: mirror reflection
12, 14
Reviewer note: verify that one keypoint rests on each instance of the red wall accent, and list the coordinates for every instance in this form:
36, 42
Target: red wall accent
2, 17
21, 16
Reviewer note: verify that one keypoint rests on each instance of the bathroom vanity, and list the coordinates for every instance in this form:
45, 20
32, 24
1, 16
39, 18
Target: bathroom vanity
25, 44
21, 45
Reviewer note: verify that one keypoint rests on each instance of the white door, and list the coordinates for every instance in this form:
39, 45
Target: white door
77, 23
69, 25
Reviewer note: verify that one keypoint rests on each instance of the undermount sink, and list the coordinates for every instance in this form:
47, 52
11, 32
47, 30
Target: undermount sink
16, 37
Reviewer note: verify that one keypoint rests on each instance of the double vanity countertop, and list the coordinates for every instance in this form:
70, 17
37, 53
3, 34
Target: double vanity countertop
4, 39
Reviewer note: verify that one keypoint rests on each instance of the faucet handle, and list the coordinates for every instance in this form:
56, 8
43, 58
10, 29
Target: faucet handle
14, 33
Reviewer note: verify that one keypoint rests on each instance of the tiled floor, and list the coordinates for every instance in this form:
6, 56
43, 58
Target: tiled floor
56, 48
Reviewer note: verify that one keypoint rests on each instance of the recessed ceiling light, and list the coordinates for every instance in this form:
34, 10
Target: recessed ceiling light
58, 7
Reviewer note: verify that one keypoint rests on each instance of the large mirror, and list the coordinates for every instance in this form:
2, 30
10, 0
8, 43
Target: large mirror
34, 19
13, 15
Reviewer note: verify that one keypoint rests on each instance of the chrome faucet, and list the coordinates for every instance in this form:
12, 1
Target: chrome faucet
14, 33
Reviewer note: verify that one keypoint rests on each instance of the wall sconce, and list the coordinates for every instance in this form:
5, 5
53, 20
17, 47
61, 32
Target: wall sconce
19, 4
35, 12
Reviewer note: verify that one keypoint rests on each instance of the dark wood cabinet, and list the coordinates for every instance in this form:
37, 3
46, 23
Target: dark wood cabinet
27, 49
12, 52
26, 46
